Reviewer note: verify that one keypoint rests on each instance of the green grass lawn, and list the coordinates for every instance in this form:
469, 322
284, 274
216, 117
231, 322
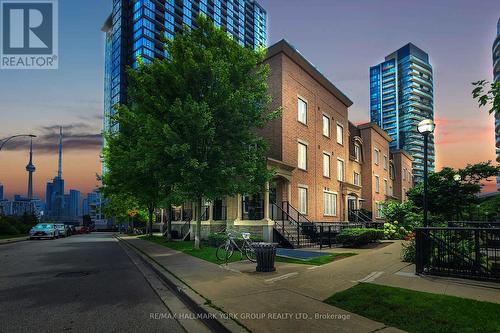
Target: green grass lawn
12, 236
317, 261
415, 311
208, 253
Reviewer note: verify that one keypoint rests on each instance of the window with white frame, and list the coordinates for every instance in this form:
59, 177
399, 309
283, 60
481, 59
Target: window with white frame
302, 156
377, 156
357, 179
357, 152
329, 203
326, 126
302, 200
340, 170
340, 134
377, 184
326, 165
386, 162
385, 187
302, 111
379, 210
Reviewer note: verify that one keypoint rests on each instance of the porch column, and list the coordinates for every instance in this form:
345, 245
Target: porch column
289, 192
346, 207
211, 211
266, 202
240, 209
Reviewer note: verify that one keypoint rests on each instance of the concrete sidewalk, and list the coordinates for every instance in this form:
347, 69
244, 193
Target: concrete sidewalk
287, 300
13, 240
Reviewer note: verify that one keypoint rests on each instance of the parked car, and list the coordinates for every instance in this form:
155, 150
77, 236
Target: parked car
44, 230
85, 230
78, 230
62, 230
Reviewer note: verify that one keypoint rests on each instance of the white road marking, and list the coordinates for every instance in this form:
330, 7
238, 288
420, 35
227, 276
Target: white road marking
282, 277
371, 277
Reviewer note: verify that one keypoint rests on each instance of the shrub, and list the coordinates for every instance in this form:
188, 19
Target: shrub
395, 231
359, 236
6, 228
408, 253
217, 238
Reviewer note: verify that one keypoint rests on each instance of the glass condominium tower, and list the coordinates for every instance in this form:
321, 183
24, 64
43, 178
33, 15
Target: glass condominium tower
496, 78
135, 28
401, 95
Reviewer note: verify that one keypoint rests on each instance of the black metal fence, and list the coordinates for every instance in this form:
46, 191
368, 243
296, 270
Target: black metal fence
467, 252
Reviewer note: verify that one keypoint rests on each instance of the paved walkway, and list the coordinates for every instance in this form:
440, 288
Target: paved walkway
300, 289
269, 302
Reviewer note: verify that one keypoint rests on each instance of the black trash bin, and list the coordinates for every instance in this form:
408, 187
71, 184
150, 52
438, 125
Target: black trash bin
266, 255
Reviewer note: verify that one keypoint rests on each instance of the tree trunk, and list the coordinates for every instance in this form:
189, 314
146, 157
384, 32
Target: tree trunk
151, 211
197, 237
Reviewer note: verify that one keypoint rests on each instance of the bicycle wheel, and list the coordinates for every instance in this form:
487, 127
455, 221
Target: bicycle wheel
224, 252
250, 253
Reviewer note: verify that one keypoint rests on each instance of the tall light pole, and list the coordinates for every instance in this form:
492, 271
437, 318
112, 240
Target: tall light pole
4, 141
426, 127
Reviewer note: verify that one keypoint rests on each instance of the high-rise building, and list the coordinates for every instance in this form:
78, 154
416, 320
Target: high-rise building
74, 203
30, 168
401, 95
496, 77
135, 28
54, 193
1, 191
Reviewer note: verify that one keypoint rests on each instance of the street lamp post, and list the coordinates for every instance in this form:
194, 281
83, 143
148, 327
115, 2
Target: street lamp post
426, 127
4, 141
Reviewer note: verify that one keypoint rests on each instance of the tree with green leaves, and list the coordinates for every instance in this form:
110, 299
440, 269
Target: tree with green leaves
487, 93
453, 192
208, 99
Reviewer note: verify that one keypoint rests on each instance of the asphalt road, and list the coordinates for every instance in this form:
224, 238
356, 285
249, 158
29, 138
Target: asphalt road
83, 283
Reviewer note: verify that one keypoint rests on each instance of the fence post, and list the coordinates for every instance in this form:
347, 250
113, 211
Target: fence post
477, 249
320, 236
298, 234
419, 252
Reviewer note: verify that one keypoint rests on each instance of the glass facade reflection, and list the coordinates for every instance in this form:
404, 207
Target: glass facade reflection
135, 28
401, 95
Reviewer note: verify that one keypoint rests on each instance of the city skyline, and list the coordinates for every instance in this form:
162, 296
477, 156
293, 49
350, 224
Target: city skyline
78, 106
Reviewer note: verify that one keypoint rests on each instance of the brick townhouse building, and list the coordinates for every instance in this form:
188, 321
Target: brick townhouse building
326, 168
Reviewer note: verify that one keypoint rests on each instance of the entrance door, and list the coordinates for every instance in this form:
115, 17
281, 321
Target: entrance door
352, 204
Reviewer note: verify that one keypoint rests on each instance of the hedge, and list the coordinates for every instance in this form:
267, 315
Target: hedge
359, 236
216, 239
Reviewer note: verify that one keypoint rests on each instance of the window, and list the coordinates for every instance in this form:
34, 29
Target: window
302, 200
357, 179
340, 170
377, 156
385, 187
302, 160
326, 165
302, 111
391, 191
357, 152
380, 212
340, 134
329, 203
326, 126
386, 162
377, 184
404, 174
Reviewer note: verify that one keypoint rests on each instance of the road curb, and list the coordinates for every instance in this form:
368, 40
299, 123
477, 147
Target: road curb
13, 240
216, 320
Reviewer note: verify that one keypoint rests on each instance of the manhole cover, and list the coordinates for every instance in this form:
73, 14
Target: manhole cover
72, 274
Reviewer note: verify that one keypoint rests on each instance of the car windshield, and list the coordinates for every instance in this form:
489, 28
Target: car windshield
43, 226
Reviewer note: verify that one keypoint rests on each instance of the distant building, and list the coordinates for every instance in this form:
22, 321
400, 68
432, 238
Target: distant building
74, 203
20, 206
54, 193
1, 192
401, 95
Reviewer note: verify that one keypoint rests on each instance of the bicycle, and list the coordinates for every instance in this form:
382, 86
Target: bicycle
226, 250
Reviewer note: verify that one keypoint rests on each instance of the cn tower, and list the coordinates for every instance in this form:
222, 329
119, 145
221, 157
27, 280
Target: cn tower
30, 168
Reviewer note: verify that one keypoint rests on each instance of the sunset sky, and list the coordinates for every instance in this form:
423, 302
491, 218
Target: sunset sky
342, 38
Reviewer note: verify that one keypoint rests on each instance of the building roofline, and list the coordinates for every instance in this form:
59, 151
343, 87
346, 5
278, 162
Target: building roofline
403, 152
377, 129
108, 24
283, 46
